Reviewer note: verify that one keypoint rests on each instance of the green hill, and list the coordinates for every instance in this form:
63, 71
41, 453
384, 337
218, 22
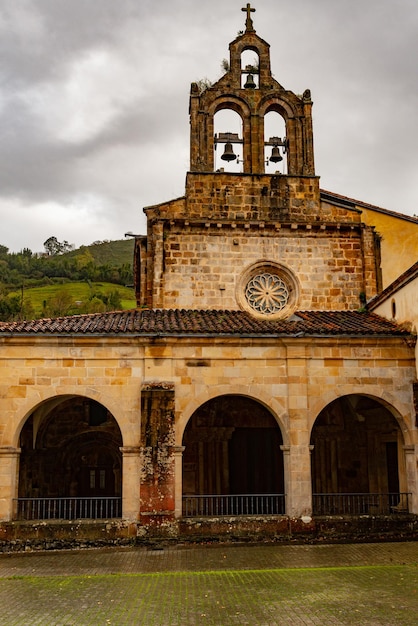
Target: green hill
90, 279
114, 253
74, 297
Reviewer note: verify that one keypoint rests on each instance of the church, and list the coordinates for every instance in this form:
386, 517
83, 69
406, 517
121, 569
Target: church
266, 383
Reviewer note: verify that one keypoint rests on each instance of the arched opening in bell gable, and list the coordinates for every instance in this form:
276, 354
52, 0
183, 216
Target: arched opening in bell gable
232, 461
358, 464
229, 144
70, 463
275, 153
250, 69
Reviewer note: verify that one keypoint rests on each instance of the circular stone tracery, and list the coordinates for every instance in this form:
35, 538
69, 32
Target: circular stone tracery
266, 293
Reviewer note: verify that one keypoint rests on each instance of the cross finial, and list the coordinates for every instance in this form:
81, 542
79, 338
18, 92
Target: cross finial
248, 22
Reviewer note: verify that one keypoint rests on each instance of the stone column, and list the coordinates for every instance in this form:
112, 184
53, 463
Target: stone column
178, 480
131, 471
9, 480
297, 474
411, 463
157, 452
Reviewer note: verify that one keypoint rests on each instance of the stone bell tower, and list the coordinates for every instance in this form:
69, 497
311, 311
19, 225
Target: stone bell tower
251, 232
251, 91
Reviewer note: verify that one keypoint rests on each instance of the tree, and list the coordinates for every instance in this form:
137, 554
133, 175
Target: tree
53, 246
59, 304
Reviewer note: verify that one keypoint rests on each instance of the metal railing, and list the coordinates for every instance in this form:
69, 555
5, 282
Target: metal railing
360, 503
67, 508
237, 504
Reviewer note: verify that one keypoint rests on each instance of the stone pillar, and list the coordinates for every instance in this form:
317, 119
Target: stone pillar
131, 471
411, 463
178, 480
157, 452
297, 475
369, 262
9, 480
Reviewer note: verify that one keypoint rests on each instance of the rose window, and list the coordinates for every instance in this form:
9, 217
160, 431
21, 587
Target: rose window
267, 293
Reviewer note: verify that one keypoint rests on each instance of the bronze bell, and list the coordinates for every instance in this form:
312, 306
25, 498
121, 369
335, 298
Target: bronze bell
275, 155
250, 82
228, 154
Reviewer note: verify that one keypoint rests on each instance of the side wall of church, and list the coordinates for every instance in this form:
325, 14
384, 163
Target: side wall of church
399, 245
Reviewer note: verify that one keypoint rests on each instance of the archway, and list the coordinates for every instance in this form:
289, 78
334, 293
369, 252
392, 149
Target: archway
228, 127
70, 464
233, 462
275, 155
357, 459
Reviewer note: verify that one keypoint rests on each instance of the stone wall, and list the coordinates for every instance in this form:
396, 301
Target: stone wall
198, 247
203, 264
295, 378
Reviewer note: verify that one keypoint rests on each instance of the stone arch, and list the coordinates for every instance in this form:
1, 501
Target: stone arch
386, 399
256, 44
227, 122
130, 431
358, 459
249, 67
283, 107
239, 106
277, 410
299, 135
275, 156
232, 445
70, 448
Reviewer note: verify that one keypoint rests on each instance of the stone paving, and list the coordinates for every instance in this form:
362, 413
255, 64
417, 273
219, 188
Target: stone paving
351, 584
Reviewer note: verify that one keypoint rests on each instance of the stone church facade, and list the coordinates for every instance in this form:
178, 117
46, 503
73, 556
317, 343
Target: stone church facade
251, 389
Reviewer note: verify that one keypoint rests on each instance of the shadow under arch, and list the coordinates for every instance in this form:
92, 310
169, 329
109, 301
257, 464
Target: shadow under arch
358, 459
273, 406
70, 447
232, 445
396, 412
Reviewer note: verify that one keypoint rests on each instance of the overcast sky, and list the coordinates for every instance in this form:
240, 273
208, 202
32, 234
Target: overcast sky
94, 103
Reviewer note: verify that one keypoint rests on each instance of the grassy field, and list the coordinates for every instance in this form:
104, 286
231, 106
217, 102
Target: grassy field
79, 292
347, 596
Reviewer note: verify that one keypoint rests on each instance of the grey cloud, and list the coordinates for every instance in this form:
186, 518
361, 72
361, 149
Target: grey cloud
358, 58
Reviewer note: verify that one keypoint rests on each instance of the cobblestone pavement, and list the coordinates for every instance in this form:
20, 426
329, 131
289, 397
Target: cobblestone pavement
269, 584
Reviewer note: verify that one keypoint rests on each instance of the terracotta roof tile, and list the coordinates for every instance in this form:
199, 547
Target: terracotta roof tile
175, 322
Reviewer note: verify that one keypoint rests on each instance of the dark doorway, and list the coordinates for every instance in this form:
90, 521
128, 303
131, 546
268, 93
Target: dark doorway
71, 449
232, 446
247, 473
392, 466
355, 457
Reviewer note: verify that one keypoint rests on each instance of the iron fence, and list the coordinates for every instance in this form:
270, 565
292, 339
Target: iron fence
67, 508
237, 504
360, 503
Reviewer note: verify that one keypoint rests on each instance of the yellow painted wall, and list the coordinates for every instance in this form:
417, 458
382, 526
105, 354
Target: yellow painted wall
399, 242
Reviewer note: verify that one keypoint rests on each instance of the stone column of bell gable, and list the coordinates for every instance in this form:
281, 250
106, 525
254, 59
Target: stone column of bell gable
297, 454
131, 473
9, 473
411, 462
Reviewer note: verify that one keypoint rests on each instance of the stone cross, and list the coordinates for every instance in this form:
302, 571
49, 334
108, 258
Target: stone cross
248, 21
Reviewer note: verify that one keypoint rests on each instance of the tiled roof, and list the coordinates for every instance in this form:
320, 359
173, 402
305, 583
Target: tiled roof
180, 322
